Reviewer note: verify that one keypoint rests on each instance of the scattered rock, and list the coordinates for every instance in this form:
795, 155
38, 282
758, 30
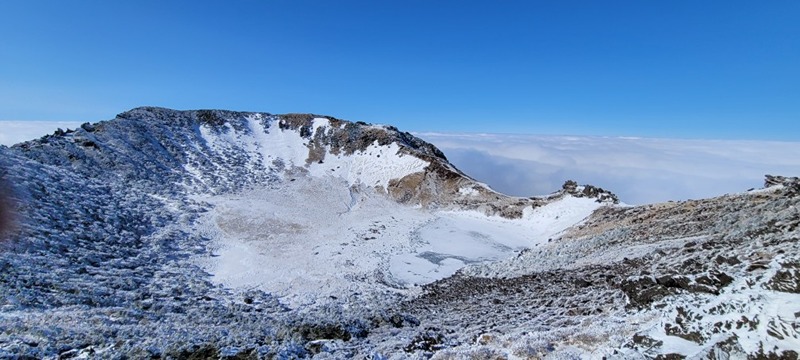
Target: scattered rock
643, 291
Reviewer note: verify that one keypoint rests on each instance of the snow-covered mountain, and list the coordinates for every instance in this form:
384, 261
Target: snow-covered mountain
220, 234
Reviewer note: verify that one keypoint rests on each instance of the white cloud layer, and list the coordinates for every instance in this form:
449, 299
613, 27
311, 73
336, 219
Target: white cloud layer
13, 132
638, 170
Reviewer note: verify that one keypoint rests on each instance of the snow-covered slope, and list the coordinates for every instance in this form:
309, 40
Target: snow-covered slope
214, 234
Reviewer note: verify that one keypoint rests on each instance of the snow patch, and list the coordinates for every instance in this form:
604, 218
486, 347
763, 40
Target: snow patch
376, 165
320, 123
468, 191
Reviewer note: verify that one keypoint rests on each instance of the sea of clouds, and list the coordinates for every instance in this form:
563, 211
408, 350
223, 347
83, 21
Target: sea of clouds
638, 170
12, 132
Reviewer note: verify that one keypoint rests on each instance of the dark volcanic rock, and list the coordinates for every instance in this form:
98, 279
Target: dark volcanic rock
571, 187
644, 291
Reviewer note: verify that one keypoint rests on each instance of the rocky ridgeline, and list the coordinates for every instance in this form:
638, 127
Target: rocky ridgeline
170, 140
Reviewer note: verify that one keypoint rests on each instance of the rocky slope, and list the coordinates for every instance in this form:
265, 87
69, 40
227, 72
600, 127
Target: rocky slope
704, 279
123, 227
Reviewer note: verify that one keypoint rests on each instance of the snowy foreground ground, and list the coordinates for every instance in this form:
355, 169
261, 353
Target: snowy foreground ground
215, 234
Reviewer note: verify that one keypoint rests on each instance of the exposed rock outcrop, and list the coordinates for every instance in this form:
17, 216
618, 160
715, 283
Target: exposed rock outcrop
604, 196
791, 184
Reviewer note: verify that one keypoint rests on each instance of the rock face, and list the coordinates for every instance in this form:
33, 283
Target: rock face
792, 184
571, 187
101, 262
772, 180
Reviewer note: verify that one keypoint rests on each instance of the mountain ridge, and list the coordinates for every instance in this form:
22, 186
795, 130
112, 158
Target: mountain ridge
437, 185
212, 233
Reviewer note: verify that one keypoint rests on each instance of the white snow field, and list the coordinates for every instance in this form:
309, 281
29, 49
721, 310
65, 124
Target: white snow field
322, 240
328, 230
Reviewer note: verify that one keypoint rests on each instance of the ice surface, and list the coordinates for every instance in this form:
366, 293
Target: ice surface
314, 237
452, 239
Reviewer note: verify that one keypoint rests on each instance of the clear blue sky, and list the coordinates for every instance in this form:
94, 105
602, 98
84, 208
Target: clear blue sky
697, 69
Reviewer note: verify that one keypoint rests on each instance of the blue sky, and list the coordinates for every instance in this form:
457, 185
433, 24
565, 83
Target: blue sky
681, 69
